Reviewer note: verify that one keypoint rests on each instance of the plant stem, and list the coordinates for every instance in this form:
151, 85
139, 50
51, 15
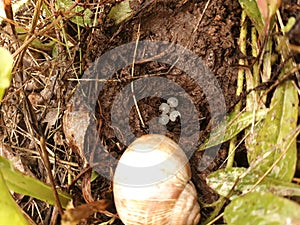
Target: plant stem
240, 83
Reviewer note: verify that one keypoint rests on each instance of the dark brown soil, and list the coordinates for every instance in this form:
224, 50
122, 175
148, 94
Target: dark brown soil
209, 31
214, 40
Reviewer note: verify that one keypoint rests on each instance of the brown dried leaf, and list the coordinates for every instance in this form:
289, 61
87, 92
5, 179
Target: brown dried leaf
74, 215
75, 124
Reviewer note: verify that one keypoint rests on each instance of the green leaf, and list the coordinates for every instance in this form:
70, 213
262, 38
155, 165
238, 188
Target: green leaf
223, 180
10, 212
36, 43
26, 185
268, 8
6, 62
234, 124
94, 175
261, 209
252, 11
120, 12
84, 20
273, 137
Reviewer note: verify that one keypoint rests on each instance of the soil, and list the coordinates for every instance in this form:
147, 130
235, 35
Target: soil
210, 32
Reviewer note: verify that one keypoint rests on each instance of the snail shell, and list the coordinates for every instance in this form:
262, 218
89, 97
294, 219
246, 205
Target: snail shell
152, 184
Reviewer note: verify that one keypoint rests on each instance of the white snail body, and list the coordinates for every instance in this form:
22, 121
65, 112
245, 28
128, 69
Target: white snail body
152, 184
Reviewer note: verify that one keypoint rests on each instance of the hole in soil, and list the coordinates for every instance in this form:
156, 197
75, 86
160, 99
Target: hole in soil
119, 122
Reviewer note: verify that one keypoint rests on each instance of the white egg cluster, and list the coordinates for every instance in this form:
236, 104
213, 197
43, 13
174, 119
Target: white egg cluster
169, 111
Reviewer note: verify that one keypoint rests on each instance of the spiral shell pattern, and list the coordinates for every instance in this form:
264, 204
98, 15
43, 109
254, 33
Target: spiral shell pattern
166, 195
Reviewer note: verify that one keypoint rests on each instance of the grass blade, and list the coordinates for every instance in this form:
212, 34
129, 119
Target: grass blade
274, 131
10, 213
6, 62
222, 181
234, 124
26, 185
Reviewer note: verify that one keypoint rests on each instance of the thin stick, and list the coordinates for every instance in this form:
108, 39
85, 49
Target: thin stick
240, 83
9, 15
132, 75
33, 129
45, 158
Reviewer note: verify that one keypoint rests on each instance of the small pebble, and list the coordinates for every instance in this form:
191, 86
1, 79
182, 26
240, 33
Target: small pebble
174, 114
173, 102
163, 119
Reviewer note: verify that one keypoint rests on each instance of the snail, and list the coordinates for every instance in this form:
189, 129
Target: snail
152, 184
